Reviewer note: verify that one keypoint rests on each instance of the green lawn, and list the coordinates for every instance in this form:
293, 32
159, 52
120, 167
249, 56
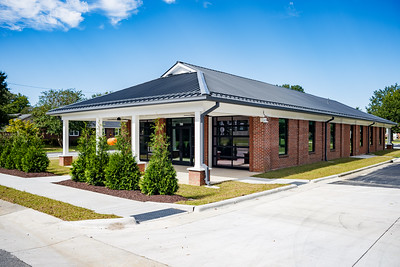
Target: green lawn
322, 169
199, 195
55, 168
61, 210
395, 153
50, 148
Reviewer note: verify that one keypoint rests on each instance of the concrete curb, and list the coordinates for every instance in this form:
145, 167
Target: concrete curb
241, 198
350, 172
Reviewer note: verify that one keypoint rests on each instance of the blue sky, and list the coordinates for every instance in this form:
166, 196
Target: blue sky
342, 50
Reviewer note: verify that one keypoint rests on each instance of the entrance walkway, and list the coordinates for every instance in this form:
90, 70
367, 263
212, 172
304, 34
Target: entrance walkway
100, 203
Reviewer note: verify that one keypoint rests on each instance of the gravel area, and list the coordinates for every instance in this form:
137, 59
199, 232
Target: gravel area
25, 174
129, 194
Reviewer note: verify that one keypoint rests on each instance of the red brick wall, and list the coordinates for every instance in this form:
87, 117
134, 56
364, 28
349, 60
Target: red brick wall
264, 143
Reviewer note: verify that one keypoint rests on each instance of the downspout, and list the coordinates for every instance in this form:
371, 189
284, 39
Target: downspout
369, 141
326, 137
202, 116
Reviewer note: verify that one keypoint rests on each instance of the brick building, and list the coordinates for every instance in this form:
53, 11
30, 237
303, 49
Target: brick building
215, 119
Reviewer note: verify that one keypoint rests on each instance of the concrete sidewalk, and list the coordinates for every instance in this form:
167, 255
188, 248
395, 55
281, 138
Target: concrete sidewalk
101, 203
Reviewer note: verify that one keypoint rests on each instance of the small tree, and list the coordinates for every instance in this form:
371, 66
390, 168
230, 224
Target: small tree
97, 160
122, 172
85, 149
160, 176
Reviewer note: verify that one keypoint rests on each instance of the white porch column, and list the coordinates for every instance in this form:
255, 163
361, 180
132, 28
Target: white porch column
197, 142
65, 137
135, 128
99, 129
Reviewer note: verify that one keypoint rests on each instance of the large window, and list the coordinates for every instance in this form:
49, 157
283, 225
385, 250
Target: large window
146, 129
311, 136
333, 136
283, 136
231, 142
361, 136
380, 136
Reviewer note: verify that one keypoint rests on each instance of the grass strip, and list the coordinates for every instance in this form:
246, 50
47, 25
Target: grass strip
322, 169
199, 195
55, 168
395, 153
61, 210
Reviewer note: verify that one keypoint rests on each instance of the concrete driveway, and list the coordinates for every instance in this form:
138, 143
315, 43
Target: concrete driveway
318, 224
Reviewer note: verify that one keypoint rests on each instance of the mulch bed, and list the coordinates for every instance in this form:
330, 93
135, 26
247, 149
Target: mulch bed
129, 194
25, 174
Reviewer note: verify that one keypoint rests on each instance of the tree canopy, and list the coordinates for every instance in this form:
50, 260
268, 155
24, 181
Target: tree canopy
53, 99
10, 103
385, 103
293, 87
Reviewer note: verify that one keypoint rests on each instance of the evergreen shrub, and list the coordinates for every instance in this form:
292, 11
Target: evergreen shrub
160, 175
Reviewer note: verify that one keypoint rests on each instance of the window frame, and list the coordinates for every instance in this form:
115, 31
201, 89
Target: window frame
361, 135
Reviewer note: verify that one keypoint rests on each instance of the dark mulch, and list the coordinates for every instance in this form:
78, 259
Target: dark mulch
129, 194
25, 174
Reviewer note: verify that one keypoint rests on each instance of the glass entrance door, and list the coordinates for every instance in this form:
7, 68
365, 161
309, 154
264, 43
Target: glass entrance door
180, 132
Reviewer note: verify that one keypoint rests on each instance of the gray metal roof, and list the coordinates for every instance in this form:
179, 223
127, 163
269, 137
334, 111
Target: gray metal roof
223, 87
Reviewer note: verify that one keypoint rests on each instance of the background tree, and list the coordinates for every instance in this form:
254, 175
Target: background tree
385, 103
9, 102
54, 99
293, 87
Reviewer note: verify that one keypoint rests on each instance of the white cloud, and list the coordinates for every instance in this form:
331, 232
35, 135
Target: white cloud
291, 10
118, 10
61, 14
41, 14
206, 4
169, 1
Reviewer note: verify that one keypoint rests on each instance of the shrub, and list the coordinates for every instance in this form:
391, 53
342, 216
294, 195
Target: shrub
122, 172
97, 161
84, 147
34, 160
160, 175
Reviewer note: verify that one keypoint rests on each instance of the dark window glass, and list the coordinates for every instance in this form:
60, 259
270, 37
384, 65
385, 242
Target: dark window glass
380, 136
333, 136
145, 130
371, 136
311, 136
283, 136
361, 136
231, 142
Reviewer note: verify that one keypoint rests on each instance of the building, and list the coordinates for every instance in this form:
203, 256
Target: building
216, 119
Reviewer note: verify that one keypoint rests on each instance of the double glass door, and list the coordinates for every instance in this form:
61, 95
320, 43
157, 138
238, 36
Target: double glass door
181, 137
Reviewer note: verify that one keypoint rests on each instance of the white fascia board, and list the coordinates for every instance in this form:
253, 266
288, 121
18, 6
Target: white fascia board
202, 83
178, 69
154, 111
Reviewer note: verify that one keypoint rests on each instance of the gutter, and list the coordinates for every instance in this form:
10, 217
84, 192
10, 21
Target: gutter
326, 137
202, 116
369, 143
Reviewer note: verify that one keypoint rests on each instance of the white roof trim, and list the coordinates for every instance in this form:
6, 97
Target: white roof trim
177, 69
202, 83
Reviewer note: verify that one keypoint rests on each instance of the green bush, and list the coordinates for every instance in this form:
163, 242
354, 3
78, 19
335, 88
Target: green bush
160, 175
97, 161
85, 148
122, 172
23, 150
34, 160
